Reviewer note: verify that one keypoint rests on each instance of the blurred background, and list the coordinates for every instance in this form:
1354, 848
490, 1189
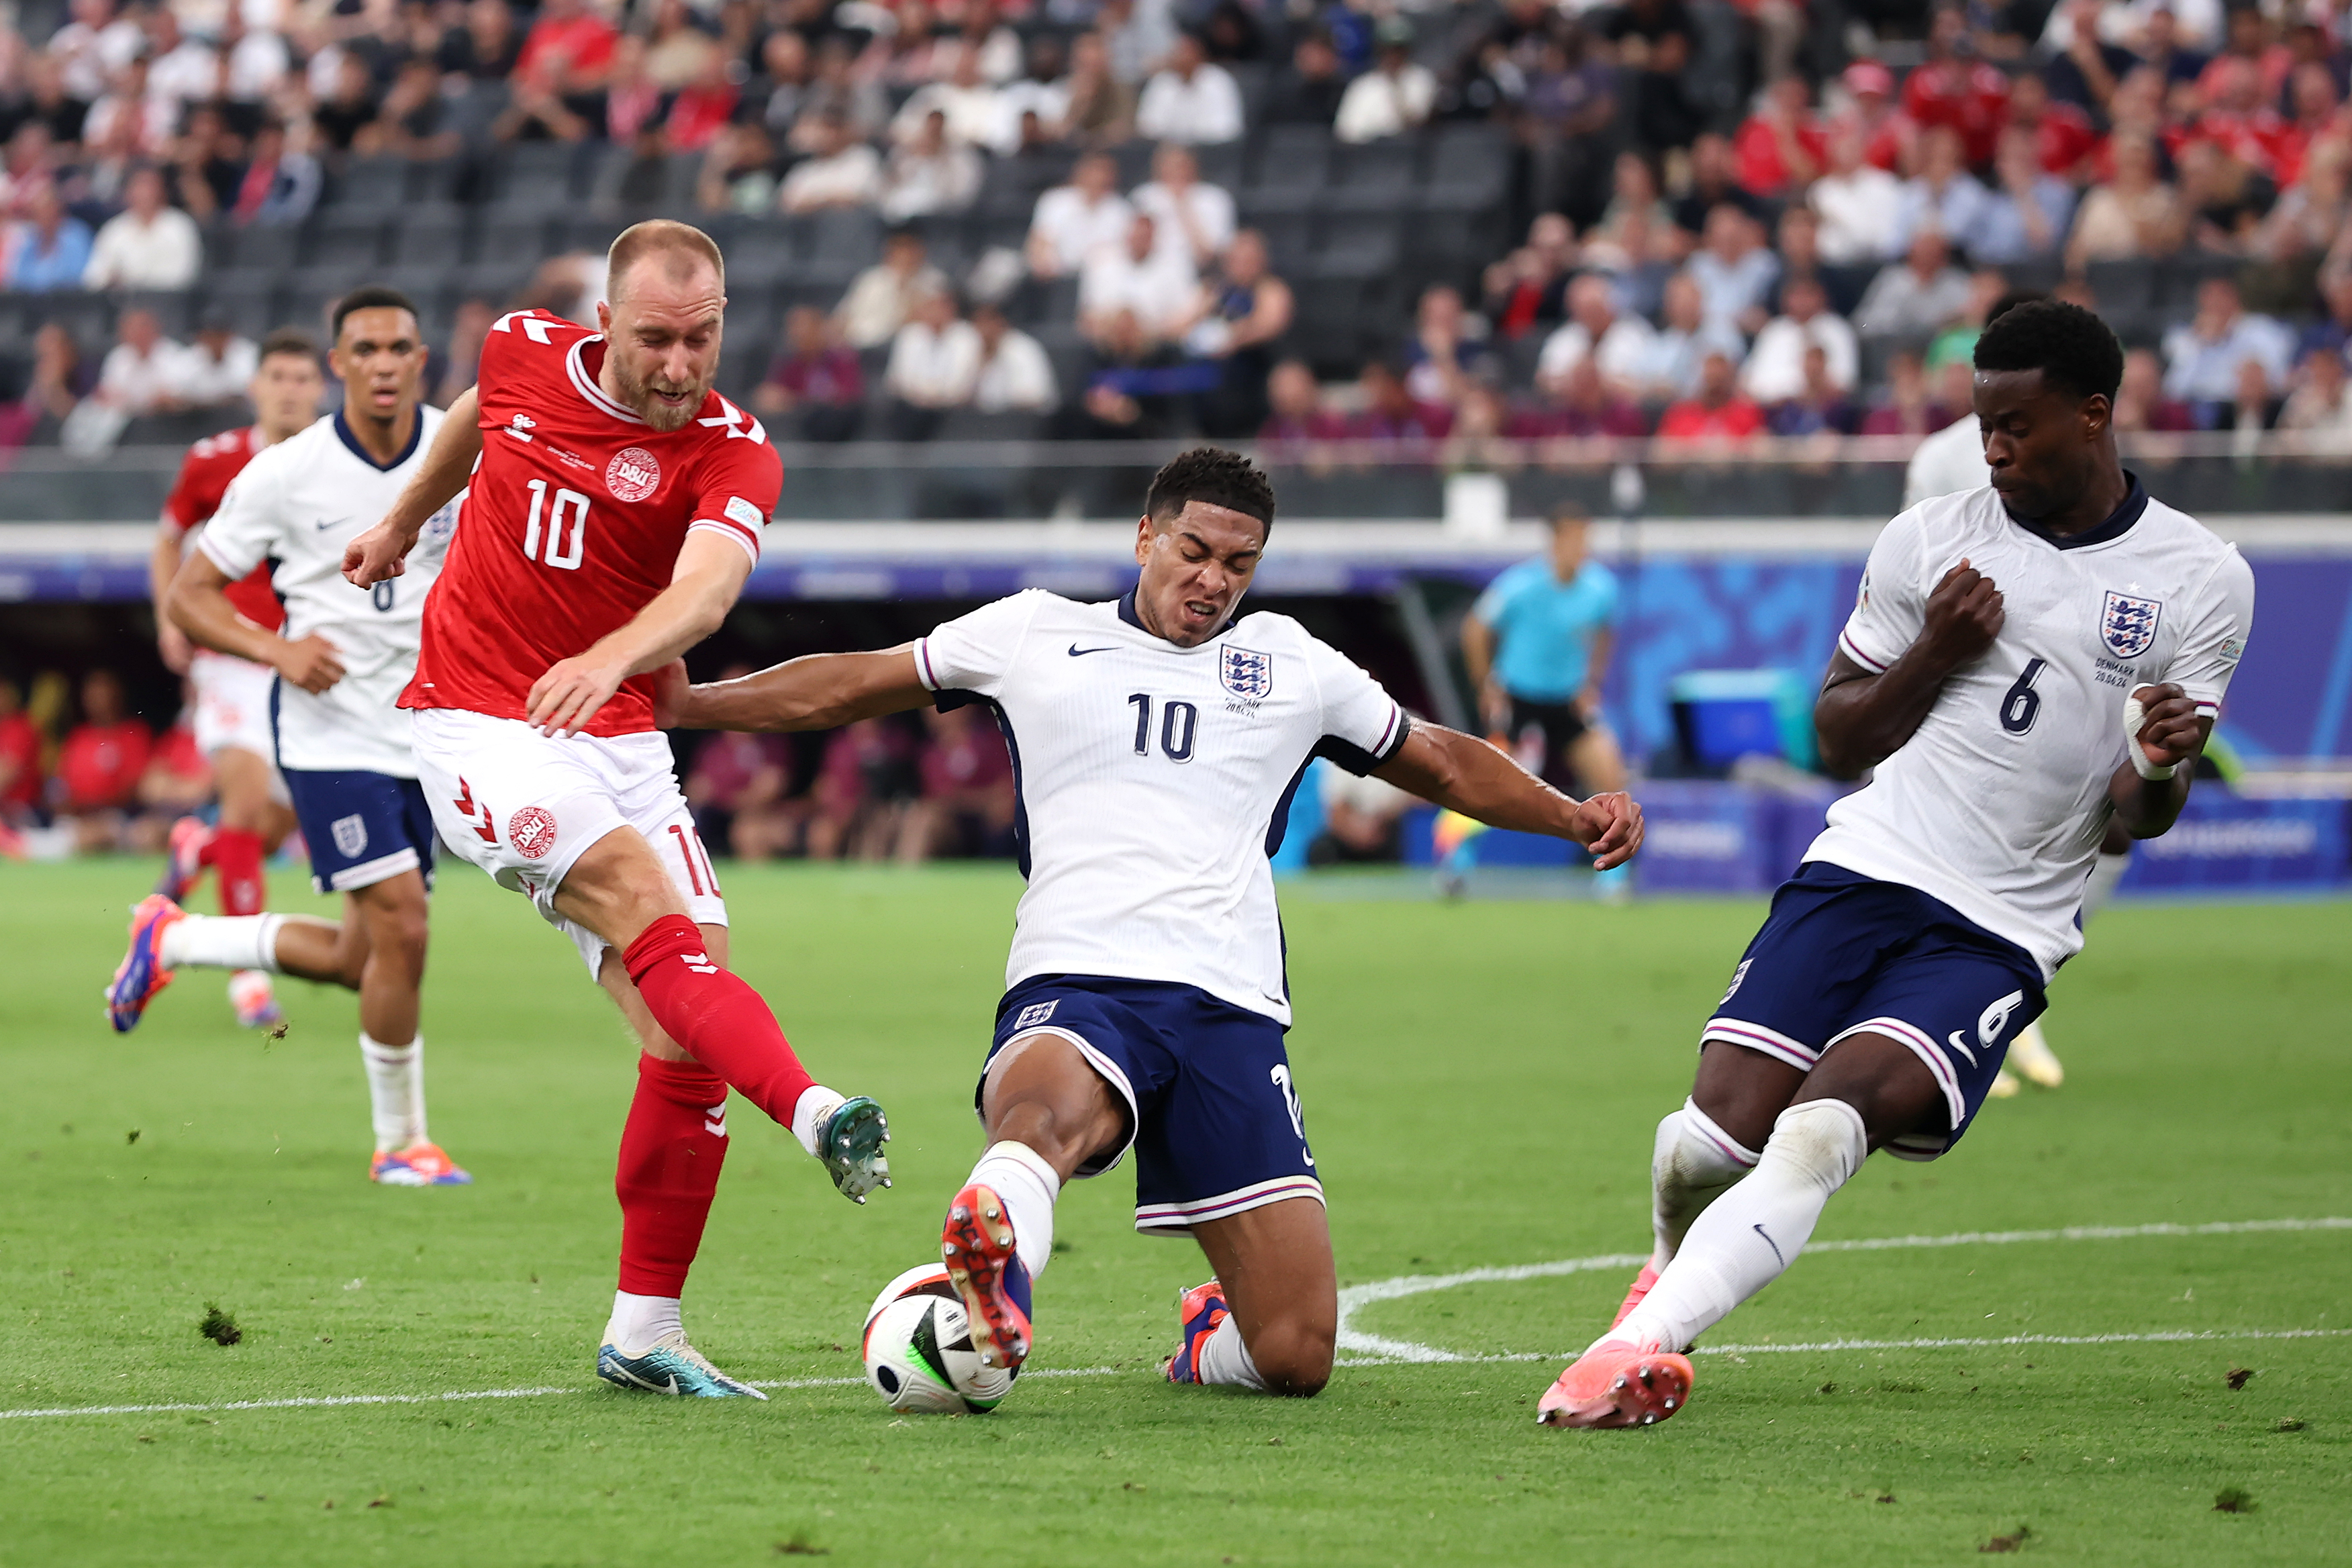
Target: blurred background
1704, 271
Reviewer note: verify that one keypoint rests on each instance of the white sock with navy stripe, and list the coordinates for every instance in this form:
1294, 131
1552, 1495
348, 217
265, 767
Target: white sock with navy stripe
395, 1092
1696, 1163
1749, 1234
1224, 1358
1029, 1185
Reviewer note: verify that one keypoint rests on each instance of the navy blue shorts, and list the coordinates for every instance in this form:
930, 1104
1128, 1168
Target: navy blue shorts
1210, 1111
361, 828
1843, 954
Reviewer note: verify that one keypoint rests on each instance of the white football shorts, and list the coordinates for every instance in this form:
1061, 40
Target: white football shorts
524, 807
233, 711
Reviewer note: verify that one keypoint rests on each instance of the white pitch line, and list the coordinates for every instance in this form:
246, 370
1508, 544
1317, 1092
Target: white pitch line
1356, 1296
2159, 1337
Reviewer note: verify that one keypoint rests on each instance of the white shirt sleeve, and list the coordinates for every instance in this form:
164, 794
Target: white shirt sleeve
1891, 607
1362, 725
976, 652
244, 533
2216, 639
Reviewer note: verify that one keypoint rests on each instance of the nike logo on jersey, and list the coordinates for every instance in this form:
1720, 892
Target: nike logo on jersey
1077, 652
323, 525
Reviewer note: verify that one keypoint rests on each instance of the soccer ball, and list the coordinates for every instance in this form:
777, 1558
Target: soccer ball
918, 1350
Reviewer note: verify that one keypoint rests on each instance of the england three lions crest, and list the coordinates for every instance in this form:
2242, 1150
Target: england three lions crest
1246, 672
2127, 625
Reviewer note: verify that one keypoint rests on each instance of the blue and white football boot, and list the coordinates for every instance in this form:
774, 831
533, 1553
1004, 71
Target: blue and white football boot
670, 1366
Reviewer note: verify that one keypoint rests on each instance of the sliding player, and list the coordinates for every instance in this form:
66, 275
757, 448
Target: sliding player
615, 515
341, 744
233, 693
1157, 742
2027, 664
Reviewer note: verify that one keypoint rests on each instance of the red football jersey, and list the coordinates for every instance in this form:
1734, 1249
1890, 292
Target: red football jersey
574, 521
203, 478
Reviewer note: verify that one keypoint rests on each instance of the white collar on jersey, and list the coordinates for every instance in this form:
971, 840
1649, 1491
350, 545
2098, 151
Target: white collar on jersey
576, 365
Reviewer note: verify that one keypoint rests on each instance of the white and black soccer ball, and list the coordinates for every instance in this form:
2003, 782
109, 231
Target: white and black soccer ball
919, 1349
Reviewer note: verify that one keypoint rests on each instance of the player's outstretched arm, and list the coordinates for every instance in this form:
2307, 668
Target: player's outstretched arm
819, 691
2167, 739
1463, 773
382, 552
1863, 719
709, 573
197, 603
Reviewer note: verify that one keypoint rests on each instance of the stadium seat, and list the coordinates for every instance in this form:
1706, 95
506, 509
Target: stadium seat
380, 184
1293, 159
538, 177
1289, 235
249, 300
1357, 244
508, 239
175, 310
439, 179
1222, 164
1469, 167
1134, 163
345, 237
2182, 275
2126, 285
1375, 177
429, 234
971, 425
850, 234
251, 247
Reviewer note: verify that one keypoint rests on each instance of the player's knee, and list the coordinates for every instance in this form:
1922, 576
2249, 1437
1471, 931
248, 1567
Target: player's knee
1293, 1354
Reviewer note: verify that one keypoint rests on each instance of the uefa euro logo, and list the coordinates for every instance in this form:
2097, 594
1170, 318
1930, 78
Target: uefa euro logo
1246, 672
2127, 625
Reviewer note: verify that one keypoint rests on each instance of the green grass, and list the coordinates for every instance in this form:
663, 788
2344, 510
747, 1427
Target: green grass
1481, 1081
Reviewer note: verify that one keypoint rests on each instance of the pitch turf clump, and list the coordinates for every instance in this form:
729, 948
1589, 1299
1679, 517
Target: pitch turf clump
2237, 1377
2233, 1499
2009, 1543
218, 1326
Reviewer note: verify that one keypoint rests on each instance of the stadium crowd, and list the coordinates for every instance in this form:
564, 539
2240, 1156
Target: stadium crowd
1742, 219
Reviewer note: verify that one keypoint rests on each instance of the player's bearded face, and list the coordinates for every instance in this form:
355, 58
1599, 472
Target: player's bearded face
664, 356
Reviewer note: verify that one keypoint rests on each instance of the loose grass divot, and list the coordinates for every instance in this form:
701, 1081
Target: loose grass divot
2233, 1499
2237, 1377
2009, 1543
218, 1326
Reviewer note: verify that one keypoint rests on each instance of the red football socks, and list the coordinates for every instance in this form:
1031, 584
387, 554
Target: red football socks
671, 1151
719, 1020
236, 853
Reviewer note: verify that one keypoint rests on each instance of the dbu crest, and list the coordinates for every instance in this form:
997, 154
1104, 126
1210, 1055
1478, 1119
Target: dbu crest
2127, 625
1246, 672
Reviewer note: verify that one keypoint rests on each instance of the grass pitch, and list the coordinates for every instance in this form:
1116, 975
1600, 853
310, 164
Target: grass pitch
1481, 1081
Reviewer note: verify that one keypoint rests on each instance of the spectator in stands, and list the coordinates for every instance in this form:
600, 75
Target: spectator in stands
815, 379
487, 47
1014, 376
1043, 93
1799, 244
1244, 313
934, 361
214, 370
282, 181
21, 746
839, 172
1955, 344
2204, 356
100, 762
141, 371
98, 42
870, 775
2333, 331
739, 789
2140, 403
1187, 213
967, 100
413, 122
929, 174
1189, 98
1670, 370
2027, 216
61, 377
206, 165
1734, 270
461, 362
1620, 346
1819, 407
349, 107
1445, 348
968, 802
1309, 90
1394, 96
1299, 421
148, 245
2318, 408
1914, 297
1390, 419
881, 297
1529, 286
177, 780
2060, 133
50, 248
1364, 818
859, 101
739, 172
1581, 405
1477, 440
791, 70
1134, 386
1780, 147
1073, 221
1955, 89
1777, 372
1152, 283
569, 50
1859, 204
1908, 409
1102, 104
1654, 49
1638, 261
1943, 196
2134, 214
1718, 414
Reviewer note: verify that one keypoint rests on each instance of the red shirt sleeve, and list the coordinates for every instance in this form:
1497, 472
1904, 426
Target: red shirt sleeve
737, 486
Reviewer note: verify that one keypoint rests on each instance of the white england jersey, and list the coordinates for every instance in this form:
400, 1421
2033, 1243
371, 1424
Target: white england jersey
1997, 803
297, 504
1947, 461
1150, 780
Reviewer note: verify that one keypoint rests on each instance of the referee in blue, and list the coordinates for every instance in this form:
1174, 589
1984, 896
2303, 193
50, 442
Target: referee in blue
1537, 644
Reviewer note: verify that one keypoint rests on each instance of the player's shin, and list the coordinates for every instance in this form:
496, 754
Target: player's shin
1750, 1233
236, 853
672, 1148
1694, 1162
223, 941
395, 1076
719, 1019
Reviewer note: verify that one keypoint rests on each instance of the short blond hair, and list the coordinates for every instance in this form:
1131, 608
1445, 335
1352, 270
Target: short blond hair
681, 245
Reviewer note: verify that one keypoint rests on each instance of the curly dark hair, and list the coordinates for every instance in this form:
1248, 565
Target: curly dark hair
2070, 346
368, 296
1213, 475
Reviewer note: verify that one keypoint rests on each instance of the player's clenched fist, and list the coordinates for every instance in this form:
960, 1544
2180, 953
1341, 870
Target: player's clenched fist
377, 554
2169, 731
1610, 826
1964, 614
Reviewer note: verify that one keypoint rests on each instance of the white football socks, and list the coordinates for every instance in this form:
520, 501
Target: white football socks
1750, 1233
395, 1076
2106, 870
638, 1320
811, 1112
1695, 1162
1028, 1185
1224, 1359
221, 942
